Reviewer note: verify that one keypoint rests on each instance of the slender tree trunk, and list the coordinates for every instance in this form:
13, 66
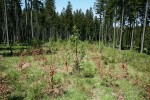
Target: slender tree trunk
44, 32
102, 27
26, 25
6, 23
117, 44
26, 12
49, 33
135, 31
110, 24
122, 22
105, 35
142, 38
17, 28
132, 35
4, 39
114, 38
36, 25
31, 20
99, 36
102, 32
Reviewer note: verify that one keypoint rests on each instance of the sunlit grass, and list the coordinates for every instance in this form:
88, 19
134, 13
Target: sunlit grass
122, 74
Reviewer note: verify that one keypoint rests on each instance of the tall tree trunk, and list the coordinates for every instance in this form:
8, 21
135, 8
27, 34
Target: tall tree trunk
102, 32
105, 34
31, 20
99, 36
26, 25
142, 38
114, 37
132, 35
118, 36
36, 25
3, 38
122, 22
26, 12
102, 27
110, 24
17, 28
6, 23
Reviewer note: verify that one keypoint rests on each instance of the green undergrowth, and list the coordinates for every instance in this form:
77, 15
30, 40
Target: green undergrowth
104, 74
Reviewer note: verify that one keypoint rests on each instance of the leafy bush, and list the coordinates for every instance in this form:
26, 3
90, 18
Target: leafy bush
53, 46
88, 69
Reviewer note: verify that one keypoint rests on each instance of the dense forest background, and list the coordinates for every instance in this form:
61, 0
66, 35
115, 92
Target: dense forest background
123, 24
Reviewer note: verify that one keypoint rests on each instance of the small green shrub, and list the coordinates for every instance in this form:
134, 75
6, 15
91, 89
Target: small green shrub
77, 48
34, 91
88, 69
34, 73
53, 46
58, 79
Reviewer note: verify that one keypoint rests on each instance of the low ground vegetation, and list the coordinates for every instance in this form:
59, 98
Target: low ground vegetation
50, 73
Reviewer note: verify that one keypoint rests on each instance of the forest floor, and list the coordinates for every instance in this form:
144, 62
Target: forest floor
50, 74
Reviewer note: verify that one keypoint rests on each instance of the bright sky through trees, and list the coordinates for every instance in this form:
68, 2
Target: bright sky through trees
76, 4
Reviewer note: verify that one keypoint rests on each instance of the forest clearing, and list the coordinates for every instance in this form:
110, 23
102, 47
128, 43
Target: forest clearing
53, 74
74, 50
